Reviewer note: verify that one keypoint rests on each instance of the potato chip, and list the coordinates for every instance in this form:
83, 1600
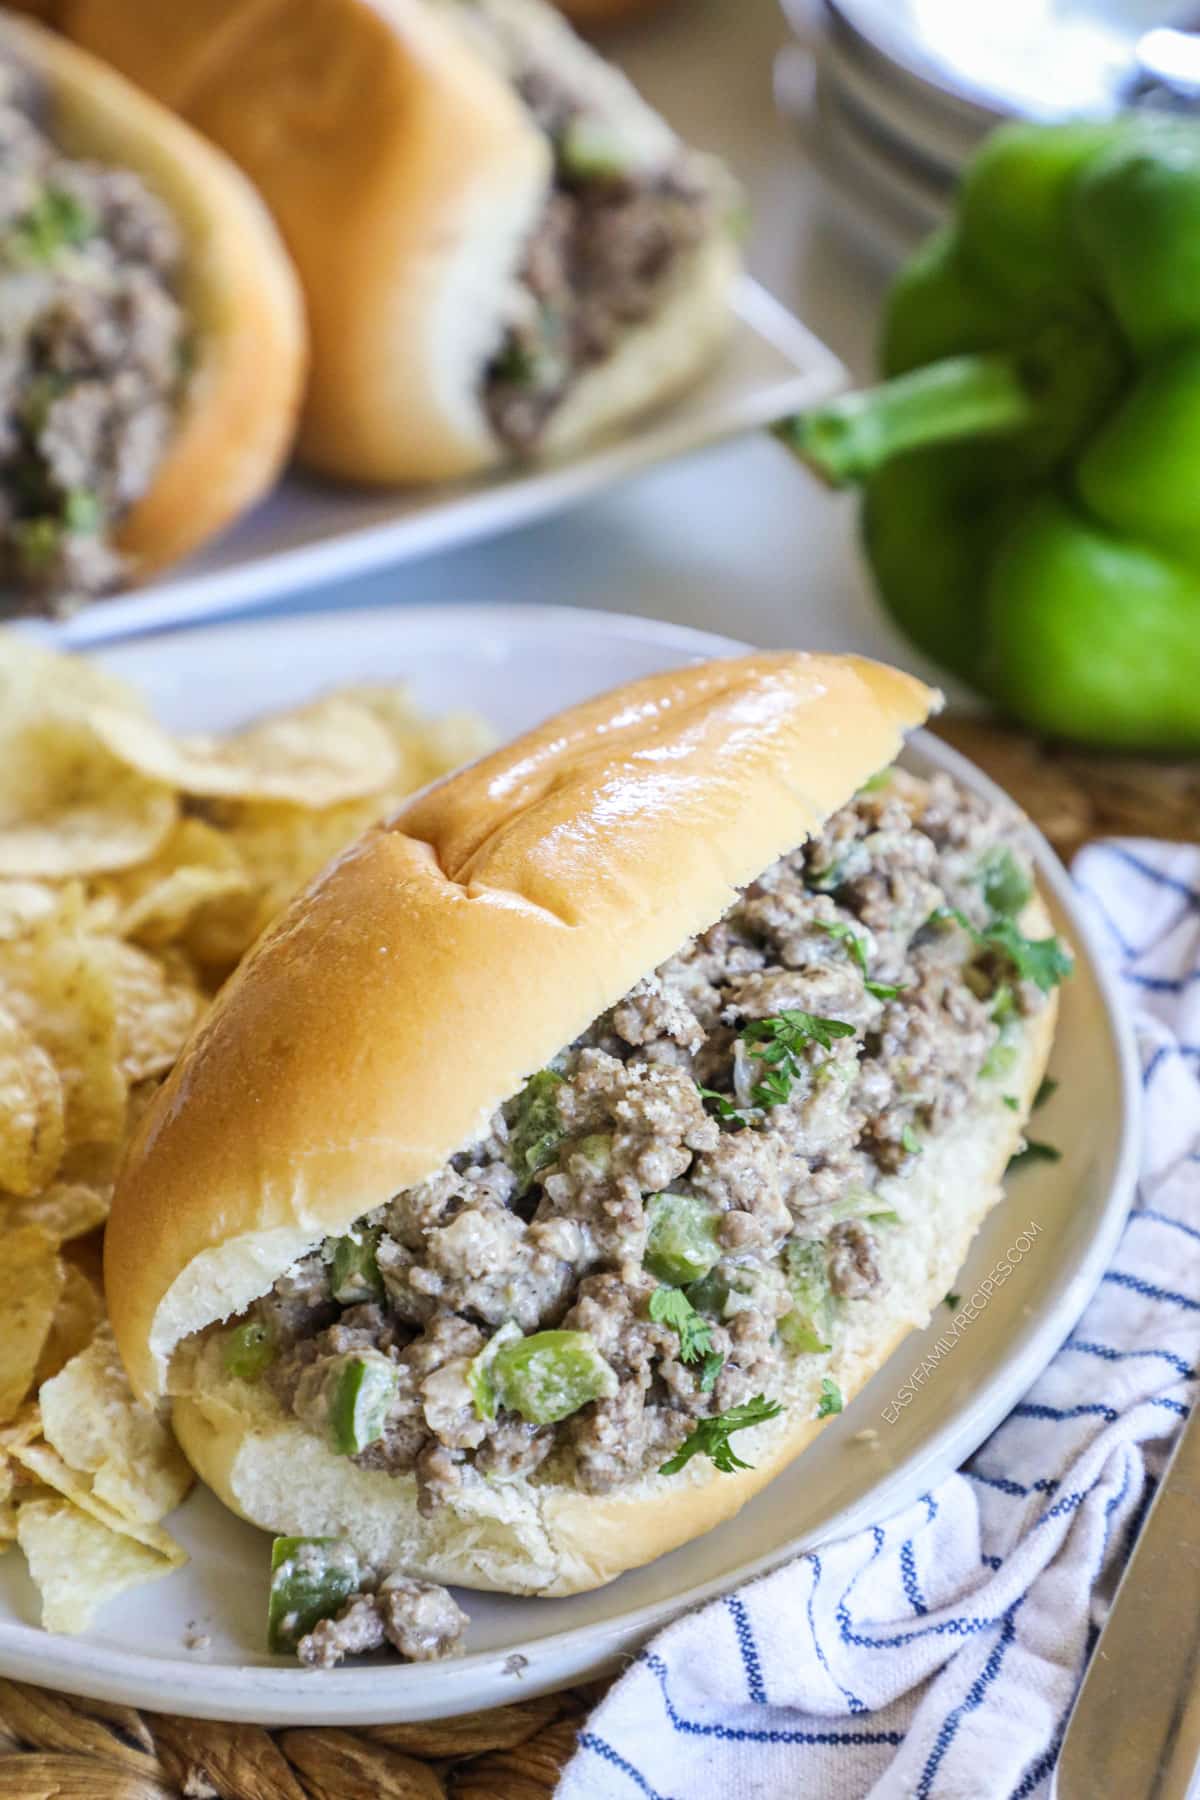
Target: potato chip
64, 1210
90, 1416
8, 1506
31, 1280
21, 1430
426, 748
70, 683
318, 755
68, 806
24, 904
157, 899
156, 1010
77, 1563
32, 1111
60, 984
44, 1463
77, 1317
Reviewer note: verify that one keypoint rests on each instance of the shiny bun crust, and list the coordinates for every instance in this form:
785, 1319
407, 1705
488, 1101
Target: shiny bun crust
406, 177
455, 949
238, 416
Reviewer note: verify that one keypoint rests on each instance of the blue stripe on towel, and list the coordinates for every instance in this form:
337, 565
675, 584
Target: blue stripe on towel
748, 1648
598, 1745
975, 1696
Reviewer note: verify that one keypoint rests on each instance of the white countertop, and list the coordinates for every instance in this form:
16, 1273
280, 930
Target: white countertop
736, 539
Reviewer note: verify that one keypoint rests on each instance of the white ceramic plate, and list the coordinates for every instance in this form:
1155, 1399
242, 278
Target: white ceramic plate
857, 157
516, 664
1034, 58
938, 146
308, 532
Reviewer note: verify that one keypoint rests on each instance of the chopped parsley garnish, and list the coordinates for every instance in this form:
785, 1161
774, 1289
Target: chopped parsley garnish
831, 1399
722, 1105
1011, 1101
1040, 960
55, 222
1034, 1151
857, 946
1046, 1092
671, 1306
710, 1368
779, 1042
953, 1301
910, 1141
882, 990
711, 1436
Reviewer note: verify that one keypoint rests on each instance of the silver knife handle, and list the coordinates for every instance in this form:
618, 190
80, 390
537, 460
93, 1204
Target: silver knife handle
1135, 1728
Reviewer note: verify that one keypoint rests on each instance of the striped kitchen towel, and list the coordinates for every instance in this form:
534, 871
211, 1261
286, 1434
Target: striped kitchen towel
937, 1653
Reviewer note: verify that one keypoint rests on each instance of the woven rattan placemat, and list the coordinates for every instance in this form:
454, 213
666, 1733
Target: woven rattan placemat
53, 1747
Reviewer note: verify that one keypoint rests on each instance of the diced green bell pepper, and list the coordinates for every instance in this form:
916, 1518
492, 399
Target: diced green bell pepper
311, 1579
550, 1375
808, 1327
1007, 888
681, 1239
479, 1375
590, 150
353, 1271
364, 1388
535, 1129
248, 1350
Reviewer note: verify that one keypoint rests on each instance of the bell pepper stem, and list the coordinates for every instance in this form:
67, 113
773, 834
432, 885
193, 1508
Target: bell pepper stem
962, 397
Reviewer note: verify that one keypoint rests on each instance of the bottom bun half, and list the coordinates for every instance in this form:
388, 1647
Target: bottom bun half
543, 1536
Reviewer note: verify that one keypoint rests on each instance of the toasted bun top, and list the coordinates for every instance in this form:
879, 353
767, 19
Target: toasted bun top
238, 414
455, 949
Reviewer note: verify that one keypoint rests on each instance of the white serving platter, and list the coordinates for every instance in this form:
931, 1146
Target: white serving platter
516, 664
309, 532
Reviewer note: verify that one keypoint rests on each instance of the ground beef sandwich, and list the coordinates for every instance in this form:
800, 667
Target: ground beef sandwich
587, 1134
151, 337
505, 251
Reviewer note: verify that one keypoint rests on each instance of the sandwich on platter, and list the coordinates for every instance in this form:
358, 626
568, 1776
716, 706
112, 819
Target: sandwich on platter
505, 251
144, 295
581, 1139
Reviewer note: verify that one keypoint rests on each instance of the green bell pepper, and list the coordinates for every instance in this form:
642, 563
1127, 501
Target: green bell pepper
311, 1579
1032, 467
248, 1350
808, 1327
681, 1238
353, 1271
363, 1389
550, 1375
535, 1129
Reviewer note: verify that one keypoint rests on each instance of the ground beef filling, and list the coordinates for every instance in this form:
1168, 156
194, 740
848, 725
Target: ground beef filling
599, 261
551, 1221
417, 1618
92, 352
